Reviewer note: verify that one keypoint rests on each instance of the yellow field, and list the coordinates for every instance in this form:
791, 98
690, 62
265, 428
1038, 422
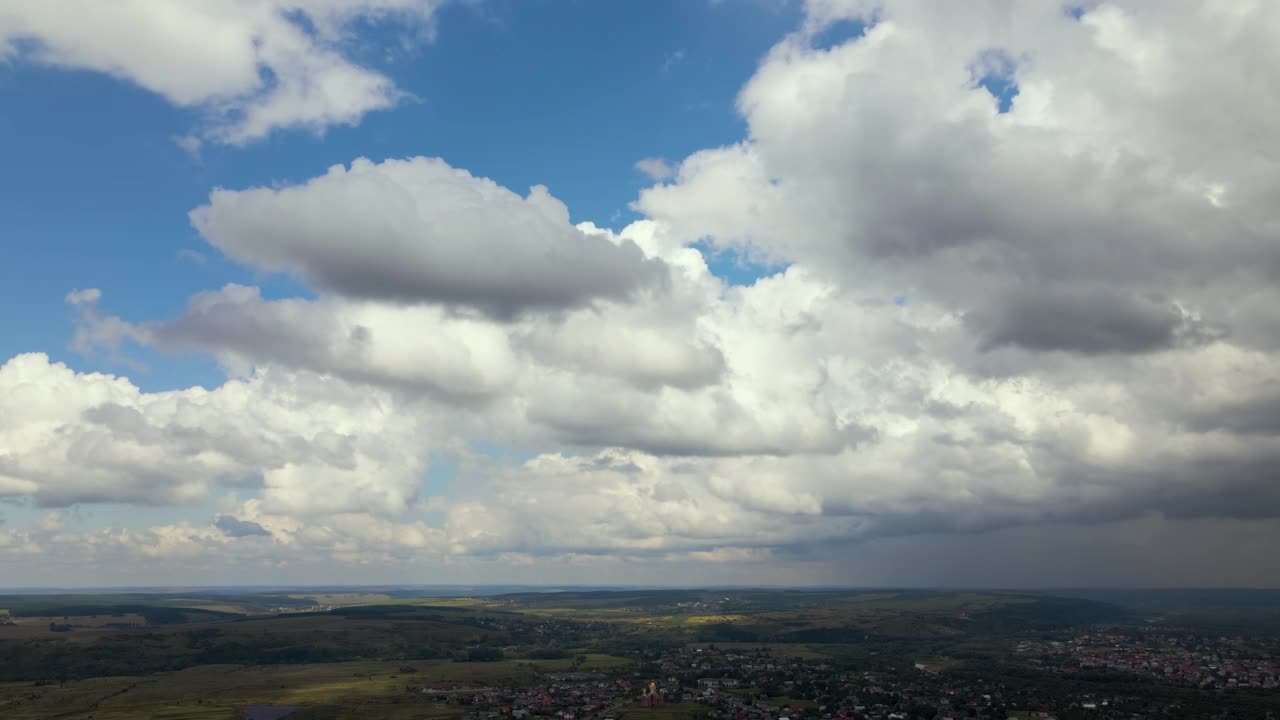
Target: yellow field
705, 619
345, 599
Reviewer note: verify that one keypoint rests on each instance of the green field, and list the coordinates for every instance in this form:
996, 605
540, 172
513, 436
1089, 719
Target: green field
358, 689
777, 650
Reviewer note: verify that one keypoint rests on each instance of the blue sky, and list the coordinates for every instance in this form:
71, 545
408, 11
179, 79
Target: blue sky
1021, 296
565, 94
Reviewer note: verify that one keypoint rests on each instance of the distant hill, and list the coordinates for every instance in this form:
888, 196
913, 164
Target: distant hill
823, 616
1227, 610
1181, 600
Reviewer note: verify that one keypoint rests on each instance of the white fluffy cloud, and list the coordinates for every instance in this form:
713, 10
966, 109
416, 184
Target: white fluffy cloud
655, 168
305, 442
619, 502
188, 551
254, 66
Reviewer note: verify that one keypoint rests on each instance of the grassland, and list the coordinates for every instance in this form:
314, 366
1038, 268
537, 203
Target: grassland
395, 633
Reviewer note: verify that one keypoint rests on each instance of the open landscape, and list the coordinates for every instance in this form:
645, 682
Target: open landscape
591, 655
640, 359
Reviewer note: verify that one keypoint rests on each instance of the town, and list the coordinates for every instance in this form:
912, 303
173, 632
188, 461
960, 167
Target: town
1219, 663
763, 683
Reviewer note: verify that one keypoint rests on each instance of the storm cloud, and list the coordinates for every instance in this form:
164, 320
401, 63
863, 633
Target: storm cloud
1078, 322
235, 527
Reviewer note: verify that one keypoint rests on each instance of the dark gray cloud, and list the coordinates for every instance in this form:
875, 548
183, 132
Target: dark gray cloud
229, 320
1240, 484
740, 434
1258, 415
1091, 323
235, 527
1146, 551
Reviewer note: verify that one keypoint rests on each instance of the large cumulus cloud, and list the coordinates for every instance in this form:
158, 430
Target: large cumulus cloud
1118, 194
306, 442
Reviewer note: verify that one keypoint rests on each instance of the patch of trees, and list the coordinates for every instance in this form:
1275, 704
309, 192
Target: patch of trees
728, 632
203, 638
154, 614
482, 654
1044, 615
547, 653
368, 611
